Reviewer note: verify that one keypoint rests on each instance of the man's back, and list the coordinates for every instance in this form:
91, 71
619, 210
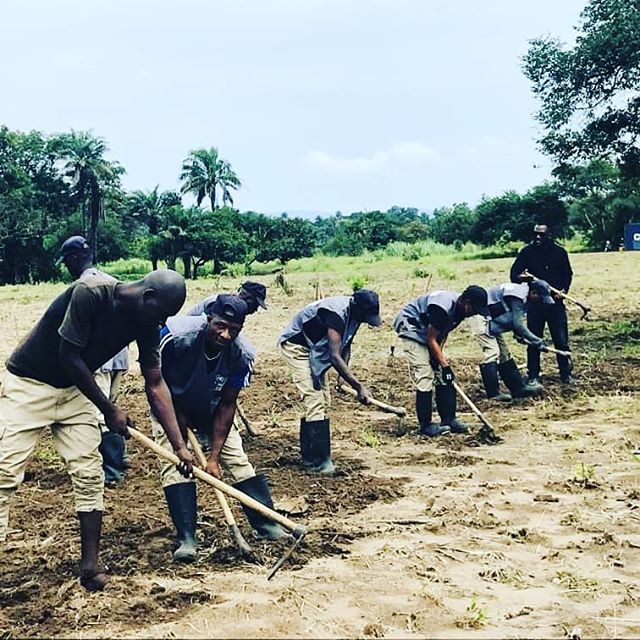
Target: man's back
84, 315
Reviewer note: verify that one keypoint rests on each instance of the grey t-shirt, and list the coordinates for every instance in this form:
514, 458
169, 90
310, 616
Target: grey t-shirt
84, 315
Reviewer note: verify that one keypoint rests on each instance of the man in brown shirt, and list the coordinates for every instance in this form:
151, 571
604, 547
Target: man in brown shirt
50, 382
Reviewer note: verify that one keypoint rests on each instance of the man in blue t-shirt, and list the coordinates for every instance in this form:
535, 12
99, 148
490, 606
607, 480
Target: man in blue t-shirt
206, 364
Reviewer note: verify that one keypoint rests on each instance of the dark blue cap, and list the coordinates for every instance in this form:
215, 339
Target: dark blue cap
541, 287
71, 246
367, 301
478, 298
257, 290
229, 307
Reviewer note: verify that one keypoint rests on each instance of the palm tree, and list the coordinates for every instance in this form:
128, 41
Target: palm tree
90, 176
151, 208
204, 173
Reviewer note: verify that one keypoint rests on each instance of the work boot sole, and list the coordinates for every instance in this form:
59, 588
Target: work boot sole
186, 555
326, 468
437, 431
503, 397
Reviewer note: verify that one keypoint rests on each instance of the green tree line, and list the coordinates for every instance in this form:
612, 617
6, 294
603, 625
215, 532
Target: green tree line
54, 186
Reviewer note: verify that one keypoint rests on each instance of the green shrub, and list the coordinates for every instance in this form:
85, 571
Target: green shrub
446, 273
358, 282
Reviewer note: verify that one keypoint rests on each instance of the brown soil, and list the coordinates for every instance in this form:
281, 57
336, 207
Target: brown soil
538, 536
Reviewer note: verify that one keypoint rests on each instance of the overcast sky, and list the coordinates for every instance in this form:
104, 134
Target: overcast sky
319, 105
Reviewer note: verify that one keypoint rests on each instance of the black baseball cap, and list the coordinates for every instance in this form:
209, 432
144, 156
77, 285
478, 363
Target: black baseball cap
542, 289
369, 303
229, 307
259, 291
71, 246
477, 296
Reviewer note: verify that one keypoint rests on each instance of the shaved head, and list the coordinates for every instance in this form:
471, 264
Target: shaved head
159, 295
169, 286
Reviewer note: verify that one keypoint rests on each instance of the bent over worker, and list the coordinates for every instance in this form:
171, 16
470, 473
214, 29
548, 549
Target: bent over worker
254, 295
206, 364
75, 253
319, 337
508, 305
423, 326
49, 383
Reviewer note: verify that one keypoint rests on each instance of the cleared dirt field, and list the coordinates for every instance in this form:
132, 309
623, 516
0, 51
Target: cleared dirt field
412, 538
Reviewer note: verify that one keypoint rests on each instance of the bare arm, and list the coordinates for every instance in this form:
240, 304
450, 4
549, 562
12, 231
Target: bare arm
222, 421
73, 363
435, 348
338, 362
519, 327
161, 405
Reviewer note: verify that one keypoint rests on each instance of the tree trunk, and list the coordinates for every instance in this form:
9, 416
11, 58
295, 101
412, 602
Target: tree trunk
94, 218
186, 261
212, 197
154, 264
217, 266
196, 265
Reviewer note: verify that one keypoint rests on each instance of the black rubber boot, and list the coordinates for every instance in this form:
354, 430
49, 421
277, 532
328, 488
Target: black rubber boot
446, 404
491, 382
258, 489
315, 446
112, 450
424, 403
183, 506
510, 373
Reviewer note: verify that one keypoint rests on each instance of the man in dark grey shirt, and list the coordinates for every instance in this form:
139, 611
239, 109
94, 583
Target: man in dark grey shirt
49, 383
75, 254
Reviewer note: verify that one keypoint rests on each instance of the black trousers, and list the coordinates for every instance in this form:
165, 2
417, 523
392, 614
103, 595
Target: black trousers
555, 316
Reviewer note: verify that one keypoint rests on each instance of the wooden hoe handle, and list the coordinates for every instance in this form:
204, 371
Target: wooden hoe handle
389, 408
239, 539
472, 406
297, 530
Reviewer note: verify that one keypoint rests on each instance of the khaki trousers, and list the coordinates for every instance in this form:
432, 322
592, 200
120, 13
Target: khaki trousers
233, 458
316, 402
419, 364
109, 383
494, 348
28, 406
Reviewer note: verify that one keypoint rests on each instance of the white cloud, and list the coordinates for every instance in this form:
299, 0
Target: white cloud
413, 153
400, 154
328, 162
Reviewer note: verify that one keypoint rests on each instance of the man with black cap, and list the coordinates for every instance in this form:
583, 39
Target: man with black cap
75, 253
423, 325
254, 295
206, 363
508, 305
319, 337
49, 383
548, 261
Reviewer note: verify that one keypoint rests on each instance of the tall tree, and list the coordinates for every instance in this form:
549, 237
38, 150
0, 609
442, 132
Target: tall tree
590, 94
90, 175
151, 209
204, 173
